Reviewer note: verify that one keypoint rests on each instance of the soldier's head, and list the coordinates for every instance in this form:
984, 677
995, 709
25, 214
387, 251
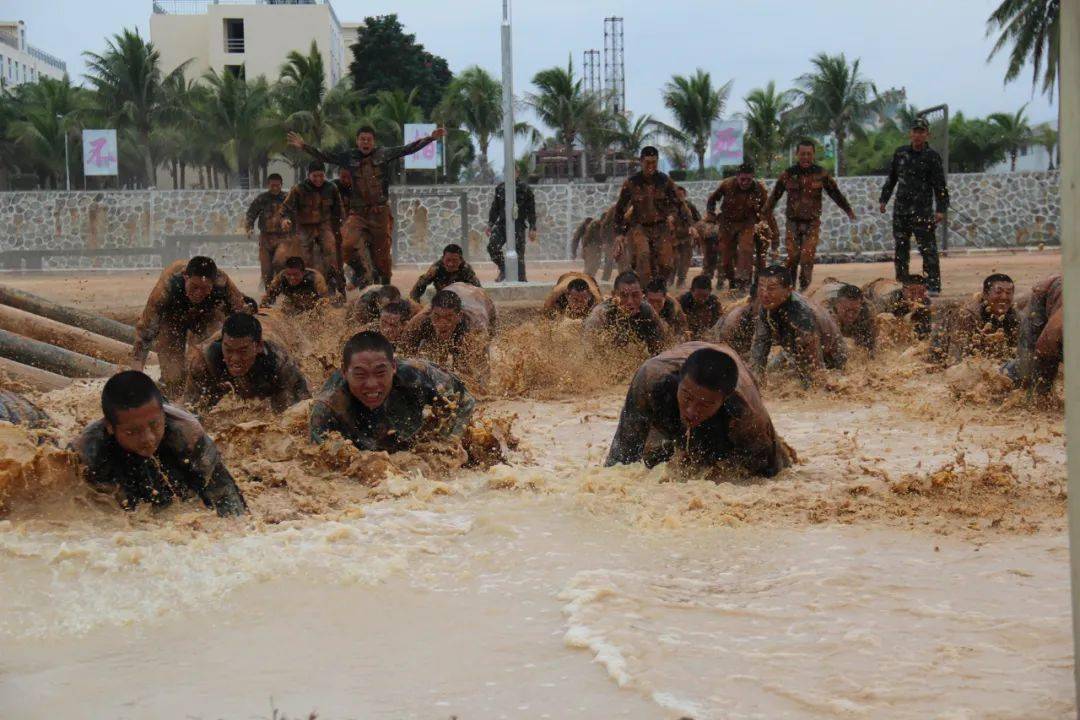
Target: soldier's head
804, 153
241, 343
650, 158
848, 303
367, 362
199, 277
656, 293
134, 412
773, 286
920, 133
274, 182
680, 191
251, 305
294, 270
701, 288
578, 297
365, 139
316, 173
744, 176
453, 257
344, 176
914, 288
997, 293
392, 319
445, 313
628, 293
707, 379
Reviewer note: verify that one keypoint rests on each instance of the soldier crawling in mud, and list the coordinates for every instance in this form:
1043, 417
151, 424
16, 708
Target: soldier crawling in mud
314, 209
625, 318
739, 240
686, 236
851, 311
275, 239
371, 302
1042, 334
574, 296
450, 335
667, 307
808, 335
302, 287
189, 297
379, 402
392, 321
803, 182
146, 451
645, 219
701, 307
241, 361
911, 300
700, 401
447, 270
987, 326
736, 327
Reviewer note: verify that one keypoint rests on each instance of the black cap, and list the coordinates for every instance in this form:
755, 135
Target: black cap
920, 123
649, 151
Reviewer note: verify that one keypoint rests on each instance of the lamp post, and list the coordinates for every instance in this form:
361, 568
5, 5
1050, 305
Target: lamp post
510, 208
67, 162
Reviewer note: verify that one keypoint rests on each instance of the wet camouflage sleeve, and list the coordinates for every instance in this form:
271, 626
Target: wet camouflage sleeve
833, 191
714, 198
390, 154
219, 490
423, 281
273, 290
149, 324
201, 390
890, 181
777, 192
339, 159
253, 212
761, 344
495, 211
529, 211
468, 276
292, 386
621, 206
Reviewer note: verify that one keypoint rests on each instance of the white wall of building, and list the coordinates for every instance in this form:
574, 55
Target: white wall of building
21, 62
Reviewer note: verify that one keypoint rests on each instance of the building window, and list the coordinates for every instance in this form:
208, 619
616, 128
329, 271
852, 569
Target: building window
237, 71
234, 35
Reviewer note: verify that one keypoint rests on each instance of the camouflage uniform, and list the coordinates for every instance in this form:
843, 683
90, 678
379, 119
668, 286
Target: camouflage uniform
807, 334
557, 304
316, 213
674, 316
921, 177
275, 375
700, 317
525, 200
651, 427
804, 187
886, 296
863, 331
684, 245
275, 242
465, 352
606, 325
736, 327
641, 216
1042, 335
301, 297
741, 251
440, 277
169, 316
597, 245
17, 410
425, 402
971, 330
186, 463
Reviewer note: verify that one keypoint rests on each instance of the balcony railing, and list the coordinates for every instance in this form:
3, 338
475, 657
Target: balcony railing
47, 58
9, 39
234, 45
199, 7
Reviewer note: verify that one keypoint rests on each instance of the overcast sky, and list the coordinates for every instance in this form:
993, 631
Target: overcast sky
936, 49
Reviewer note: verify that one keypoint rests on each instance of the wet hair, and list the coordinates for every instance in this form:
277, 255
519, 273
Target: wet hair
746, 167
242, 325
295, 262
274, 176
446, 299
712, 369
806, 142
656, 285
627, 277
701, 282
994, 278
389, 292
776, 271
577, 285
849, 292
913, 279
250, 305
128, 390
316, 166
454, 249
367, 341
365, 129
201, 266
398, 307
649, 151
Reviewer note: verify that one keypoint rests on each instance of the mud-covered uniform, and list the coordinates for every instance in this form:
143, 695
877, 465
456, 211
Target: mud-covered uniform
972, 330
673, 315
684, 245
700, 317
739, 248
440, 277
863, 331
804, 187
274, 376
597, 245
17, 410
736, 327
169, 316
525, 219
651, 428
316, 214
557, 304
344, 191
187, 463
806, 332
368, 229
607, 325
885, 296
919, 179
465, 352
425, 402
643, 210
368, 307
1042, 334
275, 242
301, 297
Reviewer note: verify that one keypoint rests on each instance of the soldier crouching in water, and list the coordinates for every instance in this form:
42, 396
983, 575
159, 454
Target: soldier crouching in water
192, 297
1042, 335
275, 240
667, 308
574, 296
645, 219
455, 332
450, 268
625, 318
314, 208
378, 402
146, 451
853, 314
302, 287
701, 307
911, 301
700, 401
987, 326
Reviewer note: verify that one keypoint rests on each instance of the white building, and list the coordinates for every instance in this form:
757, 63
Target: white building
1032, 158
227, 35
20, 62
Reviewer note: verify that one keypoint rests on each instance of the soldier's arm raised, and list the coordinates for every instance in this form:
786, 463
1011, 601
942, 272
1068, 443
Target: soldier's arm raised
393, 153
297, 141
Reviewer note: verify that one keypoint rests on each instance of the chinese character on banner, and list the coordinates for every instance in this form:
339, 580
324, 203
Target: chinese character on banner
428, 157
726, 143
100, 156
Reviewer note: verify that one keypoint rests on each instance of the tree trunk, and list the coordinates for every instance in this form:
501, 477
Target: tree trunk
485, 167
841, 164
151, 181
52, 358
1012, 157
701, 161
183, 176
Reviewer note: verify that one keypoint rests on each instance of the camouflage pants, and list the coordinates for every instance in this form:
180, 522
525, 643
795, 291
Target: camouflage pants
801, 238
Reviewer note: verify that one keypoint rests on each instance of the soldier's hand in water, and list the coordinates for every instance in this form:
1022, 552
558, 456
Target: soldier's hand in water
295, 140
532, 236
939, 217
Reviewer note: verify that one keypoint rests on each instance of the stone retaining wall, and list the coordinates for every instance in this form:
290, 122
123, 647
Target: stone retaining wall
988, 211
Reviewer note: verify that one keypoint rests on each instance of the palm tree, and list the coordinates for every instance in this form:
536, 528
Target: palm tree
696, 104
128, 81
392, 111
1047, 138
631, 135
44, 113
768, 125
1013, 131
237, 113
1034, 29
836, 99
308, 106
473, 101
561, 103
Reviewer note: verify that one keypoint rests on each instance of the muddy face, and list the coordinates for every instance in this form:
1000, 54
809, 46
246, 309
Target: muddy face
915, 294
578, 300
240, 354
847, 310
656, 301
197, 288
317, 177
628, 298
999, 298
275, 186
805, 155
452, 262
772, 293
445, 321
294, 276
370, 375
139, 430
391, 326
365, 142
697, 403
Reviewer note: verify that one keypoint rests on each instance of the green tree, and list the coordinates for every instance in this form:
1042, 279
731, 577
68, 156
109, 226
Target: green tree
872, 154
561, 103
385, 57
1047, 138
473, 101
974, 145
310, 107
696, 104
237, 114
768, 126
1033, 28
836, 99
44, 113
1014, 133
630, 134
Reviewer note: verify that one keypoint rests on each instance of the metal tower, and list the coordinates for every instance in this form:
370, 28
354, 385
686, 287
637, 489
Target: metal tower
591, 70
614, 64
